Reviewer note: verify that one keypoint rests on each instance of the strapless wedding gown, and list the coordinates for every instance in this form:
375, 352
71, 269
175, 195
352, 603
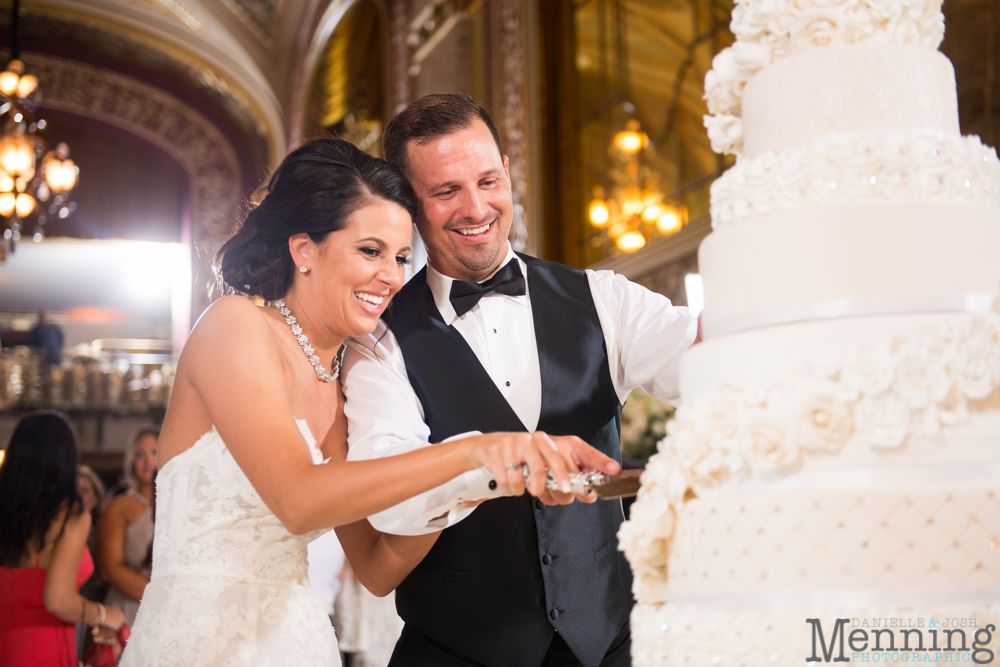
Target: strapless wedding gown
229, 584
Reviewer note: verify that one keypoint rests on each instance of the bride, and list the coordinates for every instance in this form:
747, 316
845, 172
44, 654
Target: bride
255, 407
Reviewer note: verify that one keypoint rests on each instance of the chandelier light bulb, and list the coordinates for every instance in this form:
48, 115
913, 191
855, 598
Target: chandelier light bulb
6, 183
27, 85
8, 82
628, 141
17, 155
24, 205
651, 213
60, 175
632, 138
630, 241
617, 229
598, 212
670, 221
7, 203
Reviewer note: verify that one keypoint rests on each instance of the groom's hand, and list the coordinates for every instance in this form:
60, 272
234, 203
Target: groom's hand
579, 457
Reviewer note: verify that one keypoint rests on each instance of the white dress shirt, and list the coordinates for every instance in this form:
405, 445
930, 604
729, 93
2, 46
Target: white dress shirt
645, 337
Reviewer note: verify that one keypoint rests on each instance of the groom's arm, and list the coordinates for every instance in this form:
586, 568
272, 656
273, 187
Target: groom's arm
385, 418
645, 334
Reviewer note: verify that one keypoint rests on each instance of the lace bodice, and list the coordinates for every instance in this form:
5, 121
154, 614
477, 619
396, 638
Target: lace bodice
212, 522
229, 582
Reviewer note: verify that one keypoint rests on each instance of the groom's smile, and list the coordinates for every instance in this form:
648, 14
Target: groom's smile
464, 201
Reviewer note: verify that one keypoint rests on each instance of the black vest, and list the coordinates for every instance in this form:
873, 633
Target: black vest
495, 585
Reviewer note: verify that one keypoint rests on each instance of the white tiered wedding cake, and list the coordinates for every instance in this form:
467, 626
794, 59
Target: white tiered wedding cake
837, 455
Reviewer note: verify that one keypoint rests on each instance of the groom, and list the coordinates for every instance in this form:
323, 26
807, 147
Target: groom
484, 340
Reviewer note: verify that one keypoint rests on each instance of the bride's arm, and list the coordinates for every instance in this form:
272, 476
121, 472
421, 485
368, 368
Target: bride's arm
237, 370
380, 560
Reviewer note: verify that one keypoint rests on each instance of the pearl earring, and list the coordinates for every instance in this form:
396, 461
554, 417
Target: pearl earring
303, 269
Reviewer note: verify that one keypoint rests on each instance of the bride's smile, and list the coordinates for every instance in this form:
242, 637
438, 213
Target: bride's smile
351, 275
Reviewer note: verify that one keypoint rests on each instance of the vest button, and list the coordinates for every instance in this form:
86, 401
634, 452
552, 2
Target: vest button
547, 559
554, 614
493, 485
539, 504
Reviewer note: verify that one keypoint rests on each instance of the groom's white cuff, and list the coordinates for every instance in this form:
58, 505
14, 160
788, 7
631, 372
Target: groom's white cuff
439, 508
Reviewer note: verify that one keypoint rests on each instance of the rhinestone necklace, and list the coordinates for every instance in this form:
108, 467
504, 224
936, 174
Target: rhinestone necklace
310, 353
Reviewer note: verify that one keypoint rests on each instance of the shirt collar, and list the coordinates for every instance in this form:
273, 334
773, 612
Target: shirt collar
440, 285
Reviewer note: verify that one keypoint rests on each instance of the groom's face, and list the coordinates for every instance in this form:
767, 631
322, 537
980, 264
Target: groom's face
464, 201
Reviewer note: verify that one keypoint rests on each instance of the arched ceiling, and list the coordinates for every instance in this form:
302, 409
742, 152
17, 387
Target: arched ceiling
191, 56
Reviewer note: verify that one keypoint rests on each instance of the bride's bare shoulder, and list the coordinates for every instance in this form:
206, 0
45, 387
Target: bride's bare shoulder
234, 319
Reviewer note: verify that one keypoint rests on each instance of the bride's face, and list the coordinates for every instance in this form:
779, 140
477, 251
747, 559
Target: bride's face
354, 272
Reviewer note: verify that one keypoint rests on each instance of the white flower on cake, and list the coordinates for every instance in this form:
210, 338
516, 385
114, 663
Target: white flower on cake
921, 377
669, 477
875, 396
882, 421
723, 423
724, 84
702, 457
769, 30
825, 423
819, 28
977, 364
766, 445
897, 165
870, 370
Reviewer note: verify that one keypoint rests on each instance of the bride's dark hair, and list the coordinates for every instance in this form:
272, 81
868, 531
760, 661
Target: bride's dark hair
313, 191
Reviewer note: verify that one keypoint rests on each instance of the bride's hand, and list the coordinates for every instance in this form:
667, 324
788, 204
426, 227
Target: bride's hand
503, 454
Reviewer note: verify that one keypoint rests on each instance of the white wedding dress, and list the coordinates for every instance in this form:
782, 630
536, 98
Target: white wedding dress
229, 584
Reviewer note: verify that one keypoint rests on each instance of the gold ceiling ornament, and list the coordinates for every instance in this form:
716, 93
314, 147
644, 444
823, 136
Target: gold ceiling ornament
30, 174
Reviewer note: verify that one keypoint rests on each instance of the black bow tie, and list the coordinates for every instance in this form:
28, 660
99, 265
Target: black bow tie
509, 280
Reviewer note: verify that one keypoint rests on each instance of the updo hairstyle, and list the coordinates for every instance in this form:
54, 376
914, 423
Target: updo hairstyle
313, 191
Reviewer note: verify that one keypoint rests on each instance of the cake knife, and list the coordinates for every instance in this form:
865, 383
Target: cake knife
608, 487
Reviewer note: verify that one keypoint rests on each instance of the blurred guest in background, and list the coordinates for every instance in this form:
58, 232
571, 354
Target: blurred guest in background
48, 337
368, 626
125, 531
43, 548
91, 490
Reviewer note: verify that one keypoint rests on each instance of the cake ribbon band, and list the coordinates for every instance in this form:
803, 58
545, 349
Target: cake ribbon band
823, 481
853, 307
859, 601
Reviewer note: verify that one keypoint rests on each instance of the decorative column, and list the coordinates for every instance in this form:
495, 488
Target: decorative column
399, 58
510, 75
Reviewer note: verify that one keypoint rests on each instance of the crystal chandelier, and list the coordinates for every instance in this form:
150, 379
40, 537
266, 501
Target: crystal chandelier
34, 181
635, 209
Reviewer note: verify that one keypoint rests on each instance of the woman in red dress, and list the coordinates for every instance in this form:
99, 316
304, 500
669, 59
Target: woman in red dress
43, 549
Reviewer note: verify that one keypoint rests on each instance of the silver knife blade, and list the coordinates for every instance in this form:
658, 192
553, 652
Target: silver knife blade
609, 487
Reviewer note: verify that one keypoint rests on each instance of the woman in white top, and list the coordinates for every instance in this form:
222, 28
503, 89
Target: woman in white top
125, 531
255, 407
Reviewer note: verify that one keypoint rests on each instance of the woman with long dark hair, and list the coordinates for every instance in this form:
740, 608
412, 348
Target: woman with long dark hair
255, 406
43, 548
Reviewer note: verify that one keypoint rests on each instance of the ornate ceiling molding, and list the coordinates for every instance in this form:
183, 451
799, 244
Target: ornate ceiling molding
204, 43
259, 17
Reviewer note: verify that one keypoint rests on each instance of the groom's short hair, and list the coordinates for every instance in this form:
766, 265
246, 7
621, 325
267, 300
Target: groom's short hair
430, 117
